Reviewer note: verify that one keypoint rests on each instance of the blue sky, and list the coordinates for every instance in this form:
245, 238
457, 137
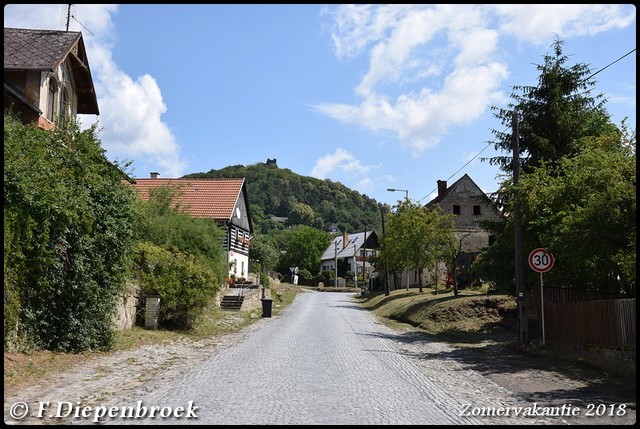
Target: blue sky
372, 96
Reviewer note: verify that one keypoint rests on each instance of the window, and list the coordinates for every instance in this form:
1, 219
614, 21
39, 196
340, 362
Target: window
51, 100
65, 103
476, 210
456, 209
492, 239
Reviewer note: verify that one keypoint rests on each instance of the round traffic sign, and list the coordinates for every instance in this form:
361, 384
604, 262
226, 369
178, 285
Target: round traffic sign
540, 260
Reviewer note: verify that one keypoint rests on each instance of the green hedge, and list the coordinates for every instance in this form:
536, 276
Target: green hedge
68, 227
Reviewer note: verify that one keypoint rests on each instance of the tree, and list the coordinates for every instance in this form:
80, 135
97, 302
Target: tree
302, 214
304, 248
415, 238
584, 210
554, 116
453, 252
264, 251
557, 118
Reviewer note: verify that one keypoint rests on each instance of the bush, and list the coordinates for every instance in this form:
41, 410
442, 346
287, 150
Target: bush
184, 284
158, 222
68, 227
328, 276
305, 274
264, 280
319, 278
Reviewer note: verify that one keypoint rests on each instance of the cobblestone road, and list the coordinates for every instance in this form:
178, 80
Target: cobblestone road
326, 361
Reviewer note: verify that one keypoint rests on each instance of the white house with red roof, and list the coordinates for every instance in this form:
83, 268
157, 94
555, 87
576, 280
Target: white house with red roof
221, 200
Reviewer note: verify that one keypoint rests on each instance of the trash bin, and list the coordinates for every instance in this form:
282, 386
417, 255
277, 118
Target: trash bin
266, 307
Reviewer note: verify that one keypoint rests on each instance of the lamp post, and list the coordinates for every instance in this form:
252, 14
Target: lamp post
406, 196
406, 192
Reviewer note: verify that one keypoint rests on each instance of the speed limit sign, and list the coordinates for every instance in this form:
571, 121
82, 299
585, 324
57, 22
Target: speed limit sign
540, 260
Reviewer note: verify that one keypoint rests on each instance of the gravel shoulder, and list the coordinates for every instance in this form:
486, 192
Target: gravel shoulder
600, 399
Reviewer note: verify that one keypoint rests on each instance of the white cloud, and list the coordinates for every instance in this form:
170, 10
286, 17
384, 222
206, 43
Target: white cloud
536, 23
133, 110
421, 119
435, 67
130, 109
339, 160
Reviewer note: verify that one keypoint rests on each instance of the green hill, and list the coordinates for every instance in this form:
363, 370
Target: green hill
279, 192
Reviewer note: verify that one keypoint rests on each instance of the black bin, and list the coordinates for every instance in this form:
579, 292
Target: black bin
267, 303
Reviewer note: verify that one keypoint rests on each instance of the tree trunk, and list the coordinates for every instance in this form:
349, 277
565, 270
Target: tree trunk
455, 278
436, 276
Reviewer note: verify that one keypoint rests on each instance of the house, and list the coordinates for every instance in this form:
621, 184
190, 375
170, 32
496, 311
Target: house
470, 206
222, 200
47, 76
351, 252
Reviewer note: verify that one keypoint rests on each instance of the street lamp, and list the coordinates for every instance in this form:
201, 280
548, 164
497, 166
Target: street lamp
406, 192
406, 196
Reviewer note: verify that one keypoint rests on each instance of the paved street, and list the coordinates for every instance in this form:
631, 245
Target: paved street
324, 360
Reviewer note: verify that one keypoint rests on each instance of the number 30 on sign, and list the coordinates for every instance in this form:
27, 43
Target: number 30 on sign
540, 260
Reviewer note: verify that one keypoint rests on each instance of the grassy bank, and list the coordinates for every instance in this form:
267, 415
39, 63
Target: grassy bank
470, 317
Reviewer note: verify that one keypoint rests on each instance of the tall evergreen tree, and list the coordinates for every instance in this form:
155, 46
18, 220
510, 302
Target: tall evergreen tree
555, 120
554, 116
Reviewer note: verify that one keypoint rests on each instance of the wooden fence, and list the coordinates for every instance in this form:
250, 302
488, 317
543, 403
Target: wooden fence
607, 323
570, 319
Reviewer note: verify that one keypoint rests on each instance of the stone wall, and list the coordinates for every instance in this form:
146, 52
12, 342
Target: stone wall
127, 306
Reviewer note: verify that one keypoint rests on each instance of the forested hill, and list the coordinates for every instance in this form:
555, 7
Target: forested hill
274, 191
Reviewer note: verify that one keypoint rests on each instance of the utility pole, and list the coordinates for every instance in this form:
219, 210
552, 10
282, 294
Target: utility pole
364, 259
386, 268
335, 246
517, 229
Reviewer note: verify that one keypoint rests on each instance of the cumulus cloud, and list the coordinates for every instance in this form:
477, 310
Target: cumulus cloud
131, 109
339, 160
436, 67
342, 163
533, 23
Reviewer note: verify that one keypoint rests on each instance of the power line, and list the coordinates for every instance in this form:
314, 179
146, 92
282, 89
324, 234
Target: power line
610, 64
493, 141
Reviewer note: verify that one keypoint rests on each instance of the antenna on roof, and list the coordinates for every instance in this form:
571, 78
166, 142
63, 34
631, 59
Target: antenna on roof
69, 16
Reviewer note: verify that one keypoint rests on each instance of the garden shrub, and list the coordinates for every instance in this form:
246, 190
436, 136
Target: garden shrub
184, 284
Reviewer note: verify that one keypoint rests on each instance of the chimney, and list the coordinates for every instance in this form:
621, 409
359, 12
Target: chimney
442, 187
154, 175
345, 239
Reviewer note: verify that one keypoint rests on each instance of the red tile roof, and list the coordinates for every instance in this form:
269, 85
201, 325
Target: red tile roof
203, 198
